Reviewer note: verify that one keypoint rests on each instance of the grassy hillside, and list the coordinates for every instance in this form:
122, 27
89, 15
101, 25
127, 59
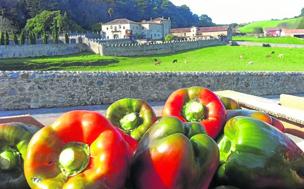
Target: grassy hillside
278, 40
222, 58
287, 23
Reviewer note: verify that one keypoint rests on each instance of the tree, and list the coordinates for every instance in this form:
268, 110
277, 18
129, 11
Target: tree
258, 31
169, 37
302, 12
47, 20
33, 7
110, 12
205, 20
32, 37
22, 37
6, 41
45, 38
55, 34
15, 39
301, 24
66, 38
1, 38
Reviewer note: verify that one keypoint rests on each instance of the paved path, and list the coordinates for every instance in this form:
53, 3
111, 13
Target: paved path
48, 115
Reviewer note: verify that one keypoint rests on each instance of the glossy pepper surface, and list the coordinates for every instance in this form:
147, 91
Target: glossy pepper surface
79, 150
229, 103
197, 104
14, 139
174, 155
257, 115
253, 154
133, 116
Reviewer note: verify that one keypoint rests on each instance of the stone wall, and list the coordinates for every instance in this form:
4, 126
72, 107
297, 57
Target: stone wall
37, 89
155, 49
20, 51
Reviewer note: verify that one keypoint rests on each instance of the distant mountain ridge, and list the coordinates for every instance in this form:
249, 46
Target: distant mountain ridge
291, 23
89, 12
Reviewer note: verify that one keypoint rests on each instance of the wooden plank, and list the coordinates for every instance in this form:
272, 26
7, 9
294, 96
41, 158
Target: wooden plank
27, 119
265, 105
291, 101
293, 119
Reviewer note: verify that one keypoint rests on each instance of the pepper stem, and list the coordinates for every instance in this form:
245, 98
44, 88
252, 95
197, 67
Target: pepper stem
193, 111
129, 122
74, 158
9, 159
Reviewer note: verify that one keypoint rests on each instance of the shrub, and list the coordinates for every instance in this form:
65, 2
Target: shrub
1, 38
16, 39
66, 38
22, 38
45, 38
32, 37
169, 37
6, 41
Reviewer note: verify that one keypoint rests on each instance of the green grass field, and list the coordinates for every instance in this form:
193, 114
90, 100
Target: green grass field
289, 23
221, 58
279, 40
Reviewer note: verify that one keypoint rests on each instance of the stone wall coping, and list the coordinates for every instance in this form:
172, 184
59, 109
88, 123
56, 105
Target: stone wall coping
16, 74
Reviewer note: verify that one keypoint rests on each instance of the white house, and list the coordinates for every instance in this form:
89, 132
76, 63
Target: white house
154, 29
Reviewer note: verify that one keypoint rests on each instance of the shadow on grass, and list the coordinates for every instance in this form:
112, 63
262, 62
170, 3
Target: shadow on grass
54, 66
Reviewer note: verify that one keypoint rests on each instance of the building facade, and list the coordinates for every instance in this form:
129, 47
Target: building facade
199, 32
293, 32
272, 32
154, 29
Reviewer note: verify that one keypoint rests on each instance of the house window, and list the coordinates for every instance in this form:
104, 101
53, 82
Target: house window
123, 27
107, 28
119, 26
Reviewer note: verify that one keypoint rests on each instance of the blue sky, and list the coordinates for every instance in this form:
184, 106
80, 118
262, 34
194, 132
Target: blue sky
242, 11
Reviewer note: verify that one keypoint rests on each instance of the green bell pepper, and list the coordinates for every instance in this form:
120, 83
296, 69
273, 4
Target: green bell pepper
133, 116
253, 154
175, 155
14, 139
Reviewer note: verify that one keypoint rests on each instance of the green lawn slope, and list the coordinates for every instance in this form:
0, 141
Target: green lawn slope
292, 23
277, 40
221, 58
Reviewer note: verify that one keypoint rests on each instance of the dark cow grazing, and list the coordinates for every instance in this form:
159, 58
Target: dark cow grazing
174, 61
268, 56
157, 62
273, 52
266, 45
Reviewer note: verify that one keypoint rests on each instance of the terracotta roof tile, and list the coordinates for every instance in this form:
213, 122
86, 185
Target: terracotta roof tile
180, 30
212, 29
201, 29
296, 31
121, 21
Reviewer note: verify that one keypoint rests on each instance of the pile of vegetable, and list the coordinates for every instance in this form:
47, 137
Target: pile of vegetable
200, 141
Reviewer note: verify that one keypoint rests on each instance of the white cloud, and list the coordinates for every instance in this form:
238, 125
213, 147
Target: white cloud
241, 11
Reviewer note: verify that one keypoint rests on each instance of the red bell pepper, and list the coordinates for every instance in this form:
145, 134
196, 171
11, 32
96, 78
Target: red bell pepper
82, 149
197, 104
174, 155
